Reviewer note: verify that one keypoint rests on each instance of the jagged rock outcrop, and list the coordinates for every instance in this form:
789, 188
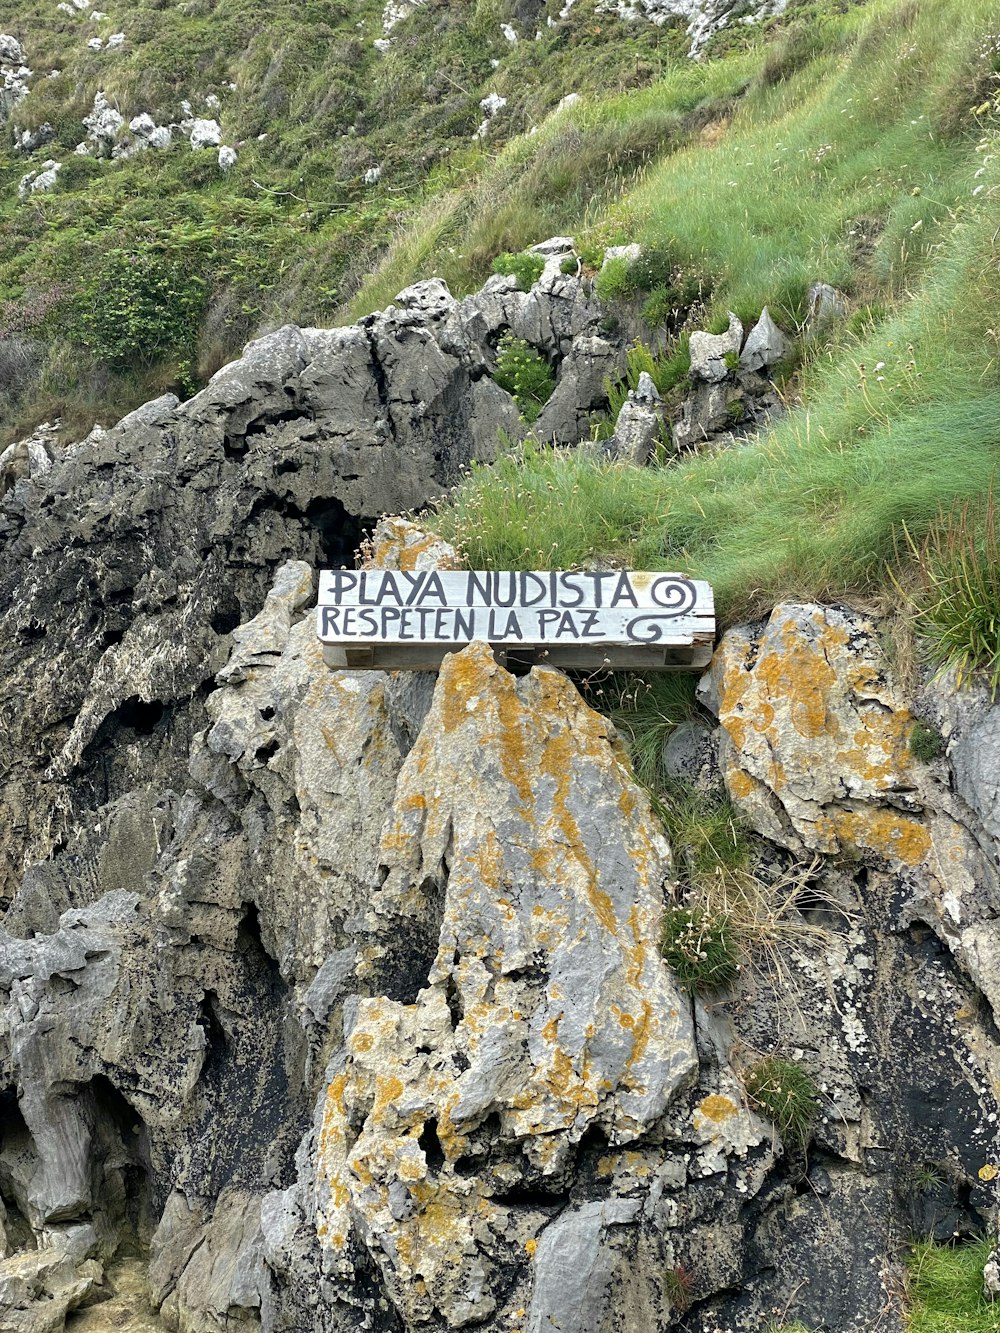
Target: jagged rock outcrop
338, 996
147, 543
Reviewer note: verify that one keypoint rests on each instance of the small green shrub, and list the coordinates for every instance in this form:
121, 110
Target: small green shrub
139, 307
526, 376
958, 607
654, 268
926, 743
731, 360
570, 265
658, 306
784, 1092
666, 372
678, 1287
613, 282
526, 267
945, 1289
700, 948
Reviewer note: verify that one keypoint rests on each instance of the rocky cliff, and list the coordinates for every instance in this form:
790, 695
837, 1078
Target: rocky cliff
336, 1000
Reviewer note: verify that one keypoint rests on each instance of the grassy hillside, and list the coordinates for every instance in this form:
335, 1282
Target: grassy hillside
191, 261
864, 152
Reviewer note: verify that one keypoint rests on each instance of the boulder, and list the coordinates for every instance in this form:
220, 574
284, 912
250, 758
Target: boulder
205, 134
709, 352
11, 50
815, 751
824, 306
639, 424
765, 346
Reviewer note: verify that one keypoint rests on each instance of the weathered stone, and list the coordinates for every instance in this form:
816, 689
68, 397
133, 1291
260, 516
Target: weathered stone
824, 305
502, 832
639, 424
205, 134
11, 50
765, 345
709, 352
399, 544
815, 750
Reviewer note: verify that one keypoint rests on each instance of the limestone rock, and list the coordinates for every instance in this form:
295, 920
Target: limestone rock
815, 751
547, 1006
991, 1277
205, 134
639, 424
28, 141
709, 352
227, 158
397, 543
11, 50
103, 124
628, 252
765, 345
824, 305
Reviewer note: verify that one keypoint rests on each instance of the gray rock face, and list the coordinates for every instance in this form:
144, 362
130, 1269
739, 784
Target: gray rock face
11, 50
765, 345
639, 424
710, 350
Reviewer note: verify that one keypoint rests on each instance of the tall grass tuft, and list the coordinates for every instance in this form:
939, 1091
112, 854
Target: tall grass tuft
958, 607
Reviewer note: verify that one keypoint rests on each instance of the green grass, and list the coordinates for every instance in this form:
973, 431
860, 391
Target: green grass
783, 1091
945, 1289
957, 606
702, 950
900, 413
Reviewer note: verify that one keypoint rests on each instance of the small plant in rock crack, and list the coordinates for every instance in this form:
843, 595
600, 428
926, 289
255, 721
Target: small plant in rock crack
677, 1285
925, 743
526, 267
784, 1092
701, 948
525, 375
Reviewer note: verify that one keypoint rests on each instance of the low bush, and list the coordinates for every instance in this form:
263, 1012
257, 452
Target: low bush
526, 267
701, 949
526, 376
926, 743
139, 307
784, 1092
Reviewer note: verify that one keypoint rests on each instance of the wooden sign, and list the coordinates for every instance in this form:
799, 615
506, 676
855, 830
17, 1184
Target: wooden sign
589, 619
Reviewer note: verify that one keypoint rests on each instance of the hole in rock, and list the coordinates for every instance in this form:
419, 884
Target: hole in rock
138, 715
123, 1184
266, 714
340, 533
226, 616
430, 1145
267, 751
531, 1195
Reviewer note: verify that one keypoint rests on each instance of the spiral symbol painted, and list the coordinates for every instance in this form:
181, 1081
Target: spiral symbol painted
645, 629
676, 595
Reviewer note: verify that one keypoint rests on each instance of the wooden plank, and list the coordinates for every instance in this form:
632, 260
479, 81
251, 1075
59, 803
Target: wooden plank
588, 620
510, 626
397, 657
671, 593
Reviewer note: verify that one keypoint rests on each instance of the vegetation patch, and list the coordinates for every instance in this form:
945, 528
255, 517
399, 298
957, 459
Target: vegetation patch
945, 1289
525, 375
958, 605
784, 1092
702, 950
526, 267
